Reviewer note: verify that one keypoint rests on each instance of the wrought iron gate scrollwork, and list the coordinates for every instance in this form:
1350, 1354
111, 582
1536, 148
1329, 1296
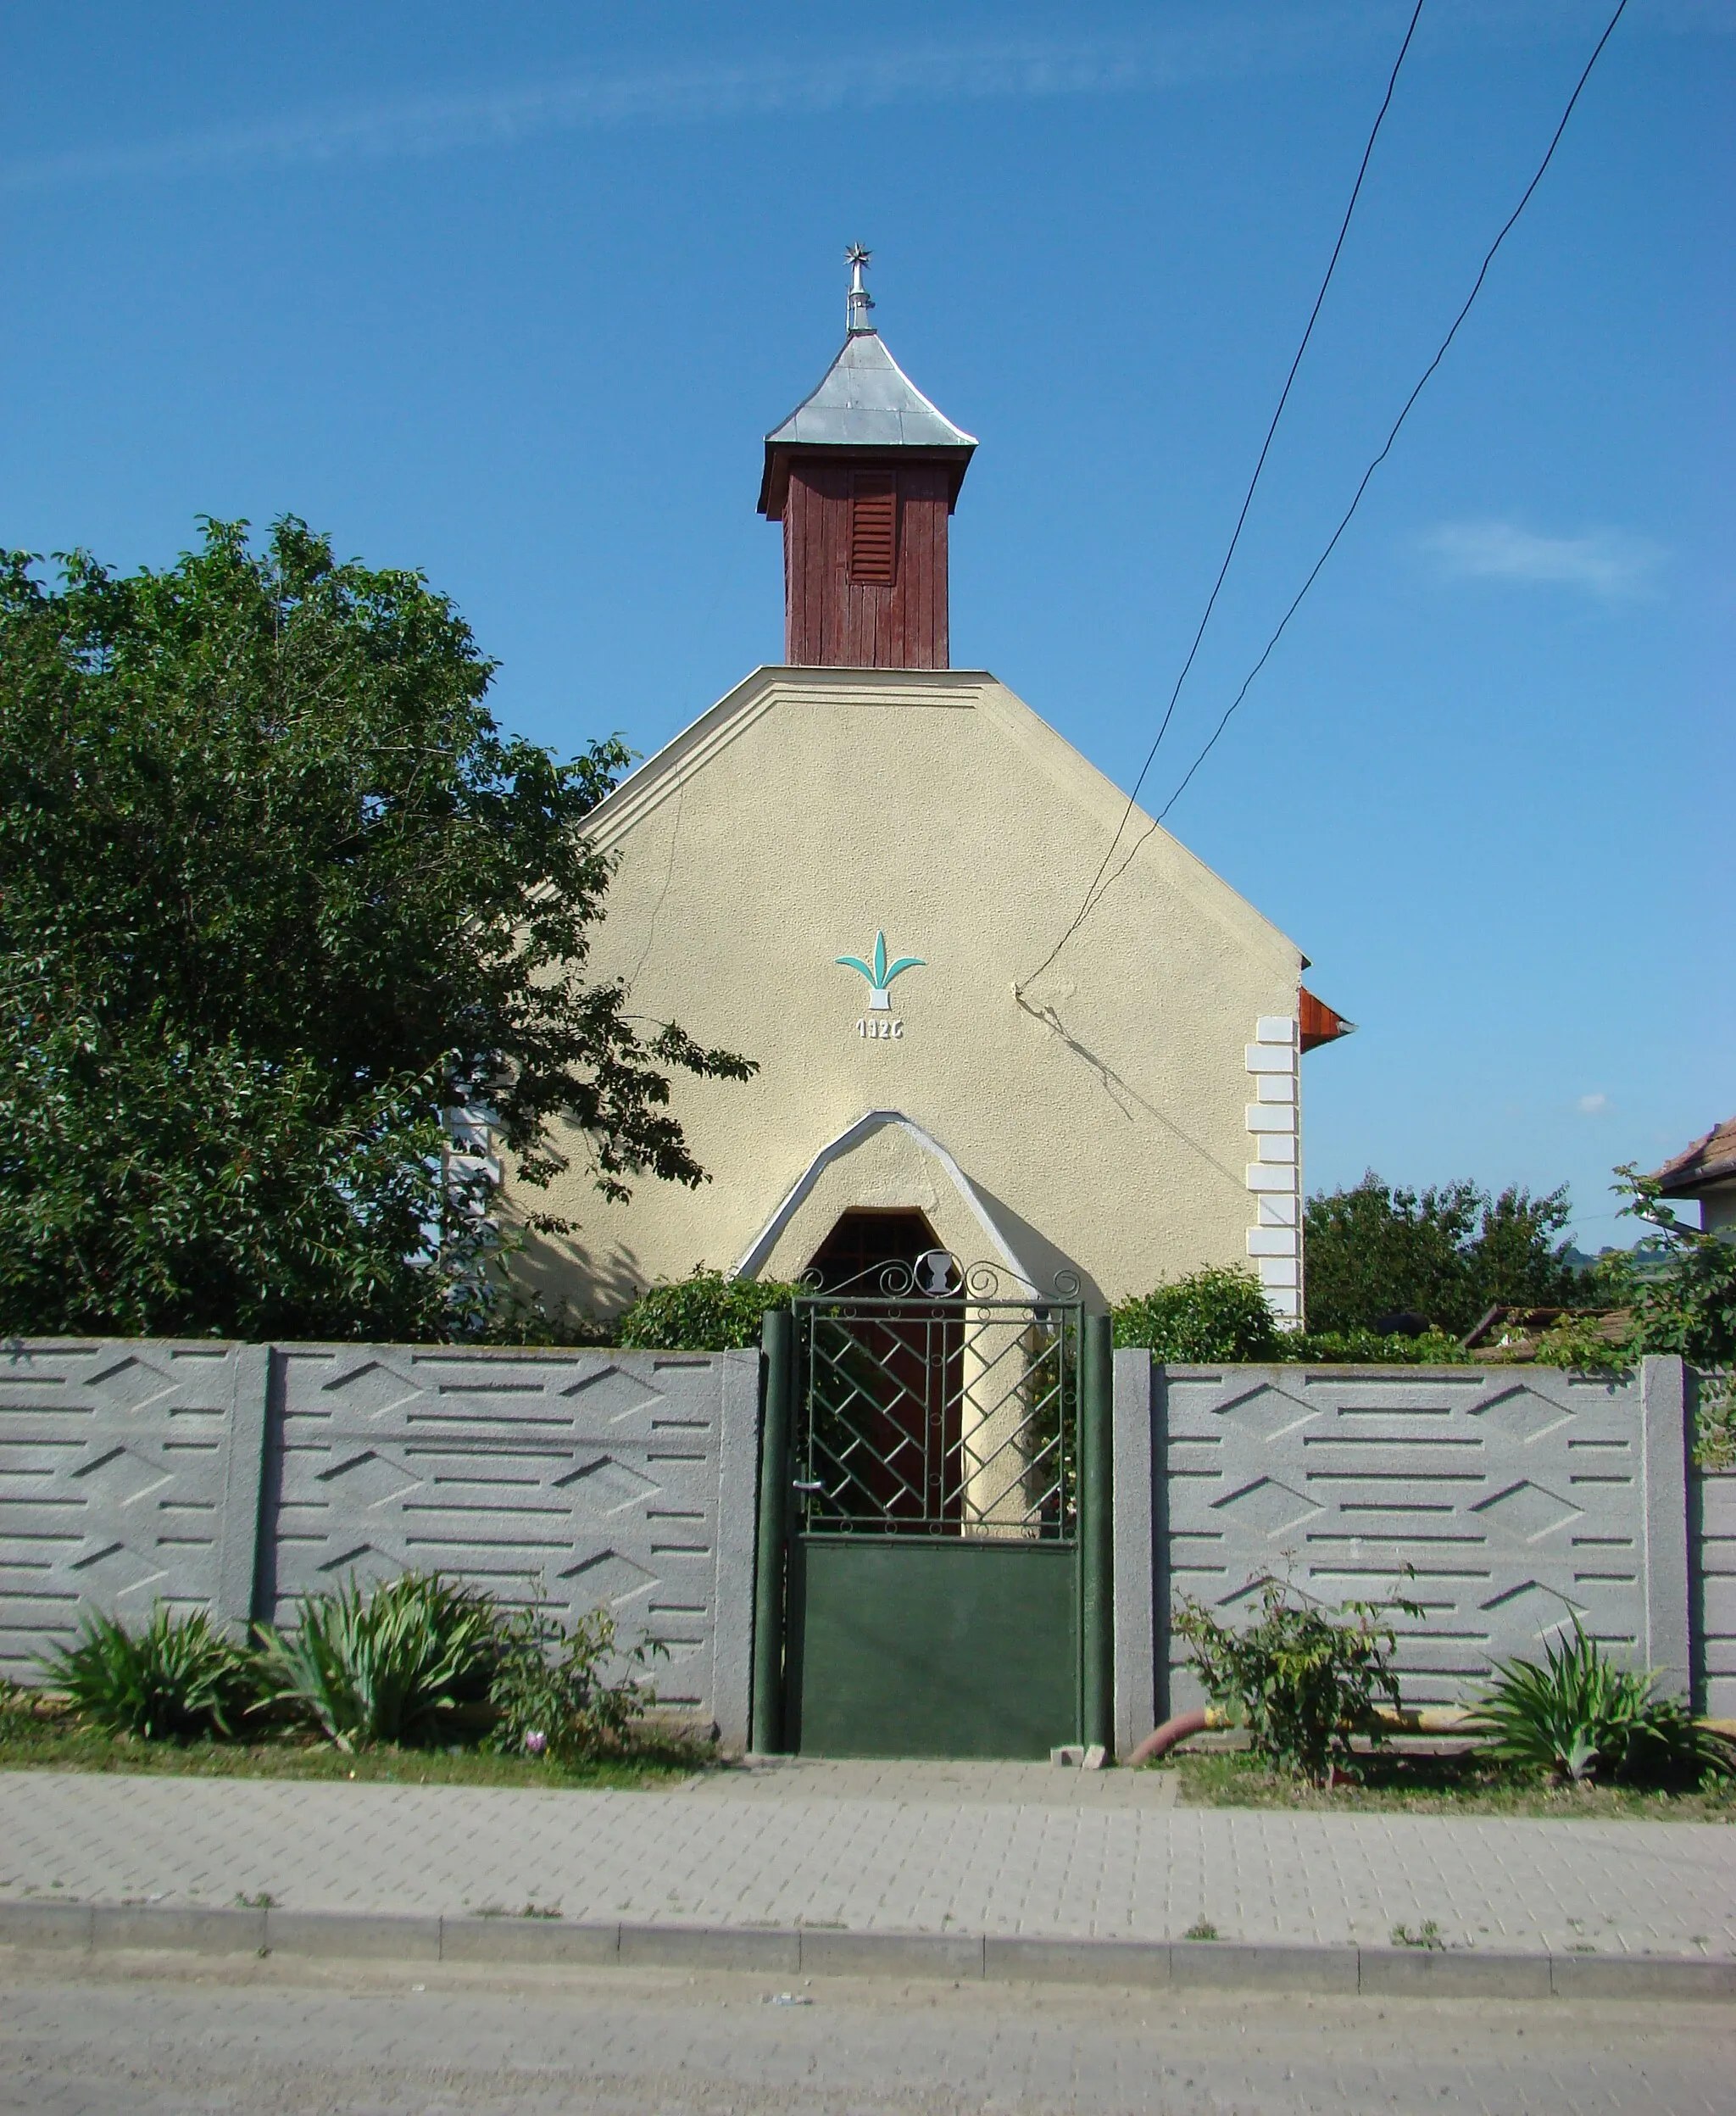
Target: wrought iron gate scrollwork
938, 1399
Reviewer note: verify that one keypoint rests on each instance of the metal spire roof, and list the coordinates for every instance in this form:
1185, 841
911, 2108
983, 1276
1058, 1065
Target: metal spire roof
866, 402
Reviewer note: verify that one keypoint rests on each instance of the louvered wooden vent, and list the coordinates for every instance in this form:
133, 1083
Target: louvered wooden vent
874, 528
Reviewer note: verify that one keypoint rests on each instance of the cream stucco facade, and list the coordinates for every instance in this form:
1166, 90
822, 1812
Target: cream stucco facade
1129, 1114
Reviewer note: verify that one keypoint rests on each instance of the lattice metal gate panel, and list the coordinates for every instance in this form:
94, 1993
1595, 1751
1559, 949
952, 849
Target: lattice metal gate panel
951, 1413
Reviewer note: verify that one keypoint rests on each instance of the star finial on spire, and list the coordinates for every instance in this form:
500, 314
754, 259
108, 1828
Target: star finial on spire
860, 300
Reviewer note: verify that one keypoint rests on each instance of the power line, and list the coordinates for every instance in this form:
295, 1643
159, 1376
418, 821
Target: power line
1247, 499
1096, 894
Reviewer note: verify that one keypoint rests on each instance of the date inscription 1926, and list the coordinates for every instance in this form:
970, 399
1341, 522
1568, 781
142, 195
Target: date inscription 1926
889, 1029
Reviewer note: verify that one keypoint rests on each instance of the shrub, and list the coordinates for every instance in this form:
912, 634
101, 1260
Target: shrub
707, 1312
385, 1666
1212, 1314
1216, 1314
1580, 1716
1302, 1678
177, 1680
1374, 1347
548, 1688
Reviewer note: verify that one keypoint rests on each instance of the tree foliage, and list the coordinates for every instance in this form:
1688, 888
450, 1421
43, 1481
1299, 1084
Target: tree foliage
1677, 1288
1447, 1254
277, 896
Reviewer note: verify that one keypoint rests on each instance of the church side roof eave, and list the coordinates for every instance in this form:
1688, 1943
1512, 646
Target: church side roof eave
1071, 773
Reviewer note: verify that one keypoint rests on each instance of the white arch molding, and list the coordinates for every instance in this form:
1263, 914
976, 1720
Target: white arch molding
852, 1136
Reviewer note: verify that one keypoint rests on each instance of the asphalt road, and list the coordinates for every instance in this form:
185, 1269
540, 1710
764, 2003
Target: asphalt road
166, 2036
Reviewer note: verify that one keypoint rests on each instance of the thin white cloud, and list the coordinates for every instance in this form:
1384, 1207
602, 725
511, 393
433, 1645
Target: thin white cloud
1593, 1104
1605, 562
1209, 41
1207, 47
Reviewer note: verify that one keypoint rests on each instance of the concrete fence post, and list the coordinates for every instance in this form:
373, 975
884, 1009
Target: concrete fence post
243, 1485
1135, 1552
732, 1618
1096, 1586
1663, 1410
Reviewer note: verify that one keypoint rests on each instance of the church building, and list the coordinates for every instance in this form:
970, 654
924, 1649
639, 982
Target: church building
853, 869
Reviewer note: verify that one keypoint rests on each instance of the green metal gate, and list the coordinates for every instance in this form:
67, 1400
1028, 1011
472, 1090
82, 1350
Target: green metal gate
934, 1519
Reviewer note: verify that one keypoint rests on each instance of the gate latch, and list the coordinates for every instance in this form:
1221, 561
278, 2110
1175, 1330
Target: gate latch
799, 1484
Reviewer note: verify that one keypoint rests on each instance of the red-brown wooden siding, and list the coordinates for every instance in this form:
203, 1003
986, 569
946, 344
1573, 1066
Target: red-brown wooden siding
1319, 1023
833, 621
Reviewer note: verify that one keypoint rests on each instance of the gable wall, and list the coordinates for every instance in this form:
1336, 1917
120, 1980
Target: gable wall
1103, 1119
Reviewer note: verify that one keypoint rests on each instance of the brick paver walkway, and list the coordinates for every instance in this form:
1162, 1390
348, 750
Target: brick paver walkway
999, 1849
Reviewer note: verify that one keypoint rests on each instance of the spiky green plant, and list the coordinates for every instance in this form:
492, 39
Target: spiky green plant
177, 1680
1578, 1717
388, 1664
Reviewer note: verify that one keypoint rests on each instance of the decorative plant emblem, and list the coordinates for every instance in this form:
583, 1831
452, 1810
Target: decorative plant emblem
880, 973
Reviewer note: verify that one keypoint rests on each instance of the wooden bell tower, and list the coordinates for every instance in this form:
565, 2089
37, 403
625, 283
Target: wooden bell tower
864, 475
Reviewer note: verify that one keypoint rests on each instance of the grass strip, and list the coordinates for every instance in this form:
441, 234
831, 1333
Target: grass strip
1455, 1784
36, 1737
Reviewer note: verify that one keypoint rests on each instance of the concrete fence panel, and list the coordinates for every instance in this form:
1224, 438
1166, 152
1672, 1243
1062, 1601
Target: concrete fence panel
126, 1477
1519, 1497
575, 1478
1713, 1516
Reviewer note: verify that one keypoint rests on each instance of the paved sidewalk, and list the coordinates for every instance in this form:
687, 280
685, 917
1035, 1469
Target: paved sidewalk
949, 1848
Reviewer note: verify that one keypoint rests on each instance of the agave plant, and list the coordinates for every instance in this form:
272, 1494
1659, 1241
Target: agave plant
178, 1678
388, 1665
1579, 1717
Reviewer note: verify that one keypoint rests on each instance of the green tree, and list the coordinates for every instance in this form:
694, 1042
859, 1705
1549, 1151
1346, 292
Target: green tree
277, 898
1446, 1254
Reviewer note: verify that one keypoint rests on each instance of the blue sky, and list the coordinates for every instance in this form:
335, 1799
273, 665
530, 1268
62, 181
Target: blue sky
510, 294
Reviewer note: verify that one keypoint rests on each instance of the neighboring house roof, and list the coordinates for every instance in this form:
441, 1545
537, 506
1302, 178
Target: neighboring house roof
1507, 1335
1707, 1165
865, 403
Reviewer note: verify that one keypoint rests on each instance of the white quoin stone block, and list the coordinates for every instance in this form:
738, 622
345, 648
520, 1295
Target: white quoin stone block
1277, 1270
1276, 1147
1272, 1241
1275, 1028
1260, 1175
1271, 1116
1269, 1058
1277, 1211
1275, 1087
1285, 1302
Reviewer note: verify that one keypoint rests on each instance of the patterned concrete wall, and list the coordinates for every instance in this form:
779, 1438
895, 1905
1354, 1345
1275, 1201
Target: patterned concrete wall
1520, 1495
575, 1478
241, 1476
121, 1481
1714, 1532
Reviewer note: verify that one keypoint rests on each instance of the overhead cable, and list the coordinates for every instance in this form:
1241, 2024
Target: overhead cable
1247, 498
1101, 887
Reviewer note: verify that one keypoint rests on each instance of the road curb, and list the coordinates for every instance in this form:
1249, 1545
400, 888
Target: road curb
961, 1958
